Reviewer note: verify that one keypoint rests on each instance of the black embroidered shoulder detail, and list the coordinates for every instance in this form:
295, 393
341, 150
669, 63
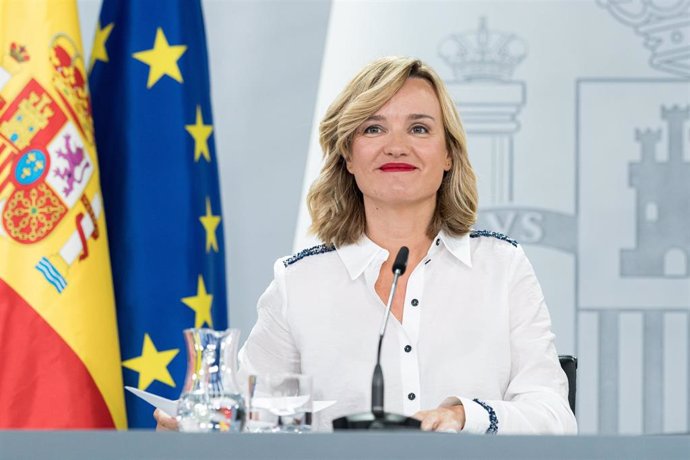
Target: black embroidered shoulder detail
500, 236
320, 249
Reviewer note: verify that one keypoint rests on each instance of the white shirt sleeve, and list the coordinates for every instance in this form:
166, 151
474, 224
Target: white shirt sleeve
535, 401
270, 347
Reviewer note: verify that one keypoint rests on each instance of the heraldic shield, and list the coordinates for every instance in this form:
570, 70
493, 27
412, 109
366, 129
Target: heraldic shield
55, 280
50, 165
45, 139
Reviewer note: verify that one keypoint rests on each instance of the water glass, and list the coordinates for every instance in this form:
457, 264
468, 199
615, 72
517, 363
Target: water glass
279, 403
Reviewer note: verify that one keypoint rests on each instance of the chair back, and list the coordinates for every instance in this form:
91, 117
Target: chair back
569, 365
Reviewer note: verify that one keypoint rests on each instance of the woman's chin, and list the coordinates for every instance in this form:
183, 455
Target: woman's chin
402, 199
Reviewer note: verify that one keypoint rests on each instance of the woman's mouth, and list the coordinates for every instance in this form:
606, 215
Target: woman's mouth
396, 167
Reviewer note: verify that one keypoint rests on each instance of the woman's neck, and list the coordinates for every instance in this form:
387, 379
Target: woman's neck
393, 227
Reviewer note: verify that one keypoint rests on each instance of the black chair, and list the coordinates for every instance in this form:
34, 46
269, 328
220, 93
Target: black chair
569, 365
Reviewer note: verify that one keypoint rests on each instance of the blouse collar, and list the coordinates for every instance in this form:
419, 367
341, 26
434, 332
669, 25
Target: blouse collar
362, 254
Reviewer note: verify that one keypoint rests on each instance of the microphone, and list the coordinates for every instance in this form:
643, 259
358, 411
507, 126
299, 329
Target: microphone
399, 266
377, 419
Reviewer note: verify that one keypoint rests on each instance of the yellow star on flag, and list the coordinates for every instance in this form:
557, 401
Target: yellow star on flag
152, 364
162, 59
210, 223
99, 53
201, 304
200, 132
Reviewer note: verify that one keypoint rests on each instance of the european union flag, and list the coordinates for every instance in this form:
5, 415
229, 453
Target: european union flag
154, 134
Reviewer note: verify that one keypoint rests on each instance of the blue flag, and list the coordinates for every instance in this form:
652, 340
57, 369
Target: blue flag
154, 134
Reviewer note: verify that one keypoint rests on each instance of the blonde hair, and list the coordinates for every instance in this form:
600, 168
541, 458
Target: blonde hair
335, 202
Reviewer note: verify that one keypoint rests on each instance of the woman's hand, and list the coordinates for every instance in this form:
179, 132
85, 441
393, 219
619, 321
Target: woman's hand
165, 422
445, 418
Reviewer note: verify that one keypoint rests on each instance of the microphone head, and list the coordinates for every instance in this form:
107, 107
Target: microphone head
400, 263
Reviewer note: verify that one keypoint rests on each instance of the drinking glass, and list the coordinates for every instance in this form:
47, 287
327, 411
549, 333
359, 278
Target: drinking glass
279, 403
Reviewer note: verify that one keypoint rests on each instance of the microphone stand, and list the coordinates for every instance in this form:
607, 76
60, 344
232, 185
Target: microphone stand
378, 419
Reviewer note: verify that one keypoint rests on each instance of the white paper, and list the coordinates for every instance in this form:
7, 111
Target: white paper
318, 406
166, 405
169, 406
281, 405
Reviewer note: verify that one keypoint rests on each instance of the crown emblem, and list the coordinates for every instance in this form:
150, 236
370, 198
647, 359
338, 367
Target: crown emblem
664, 25
18, 52
482, 54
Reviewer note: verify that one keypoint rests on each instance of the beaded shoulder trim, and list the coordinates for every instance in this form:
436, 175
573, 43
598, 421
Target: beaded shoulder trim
314, 250
499, 236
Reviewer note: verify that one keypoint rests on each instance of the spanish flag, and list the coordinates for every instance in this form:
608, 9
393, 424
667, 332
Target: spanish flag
59, 351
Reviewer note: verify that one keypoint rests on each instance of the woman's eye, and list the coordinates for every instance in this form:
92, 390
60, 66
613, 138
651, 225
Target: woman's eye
373, 129
419, 129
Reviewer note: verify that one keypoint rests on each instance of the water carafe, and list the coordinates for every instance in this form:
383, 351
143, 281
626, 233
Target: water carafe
211, 399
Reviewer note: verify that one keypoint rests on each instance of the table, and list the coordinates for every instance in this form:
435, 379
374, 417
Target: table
133, 444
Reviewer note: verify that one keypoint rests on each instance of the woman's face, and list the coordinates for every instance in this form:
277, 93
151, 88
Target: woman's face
399, 154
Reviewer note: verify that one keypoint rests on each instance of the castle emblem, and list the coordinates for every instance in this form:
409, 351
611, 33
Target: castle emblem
663, 203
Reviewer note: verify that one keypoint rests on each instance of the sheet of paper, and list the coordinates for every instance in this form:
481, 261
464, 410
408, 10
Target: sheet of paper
166, 405
321, 405
169, 406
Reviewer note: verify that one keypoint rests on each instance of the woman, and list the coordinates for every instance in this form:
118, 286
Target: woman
470, 346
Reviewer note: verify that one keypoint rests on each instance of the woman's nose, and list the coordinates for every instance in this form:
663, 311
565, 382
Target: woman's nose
396, 146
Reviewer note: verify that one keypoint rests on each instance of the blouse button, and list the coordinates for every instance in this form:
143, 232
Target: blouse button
408, 348
415, 302
411, 396
438, 241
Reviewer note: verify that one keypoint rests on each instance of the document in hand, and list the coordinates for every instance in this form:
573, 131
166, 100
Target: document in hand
169, 406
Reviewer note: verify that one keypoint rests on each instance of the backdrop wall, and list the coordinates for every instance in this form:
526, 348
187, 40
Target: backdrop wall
578, 118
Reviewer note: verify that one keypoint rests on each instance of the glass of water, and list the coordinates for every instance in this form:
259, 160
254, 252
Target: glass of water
279, 403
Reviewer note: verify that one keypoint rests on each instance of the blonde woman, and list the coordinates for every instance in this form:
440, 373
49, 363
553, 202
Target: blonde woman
469, 347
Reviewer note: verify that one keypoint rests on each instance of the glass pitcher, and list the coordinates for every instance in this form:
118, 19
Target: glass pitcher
211, 399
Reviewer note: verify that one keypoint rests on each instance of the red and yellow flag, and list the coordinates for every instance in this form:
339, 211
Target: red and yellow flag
59, 354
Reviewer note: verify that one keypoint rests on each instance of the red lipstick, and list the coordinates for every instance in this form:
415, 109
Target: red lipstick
396, 167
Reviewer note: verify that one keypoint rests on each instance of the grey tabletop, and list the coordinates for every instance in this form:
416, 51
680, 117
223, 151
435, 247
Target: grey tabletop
360, 445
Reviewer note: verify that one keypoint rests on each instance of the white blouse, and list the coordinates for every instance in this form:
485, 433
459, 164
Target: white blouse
475, 326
